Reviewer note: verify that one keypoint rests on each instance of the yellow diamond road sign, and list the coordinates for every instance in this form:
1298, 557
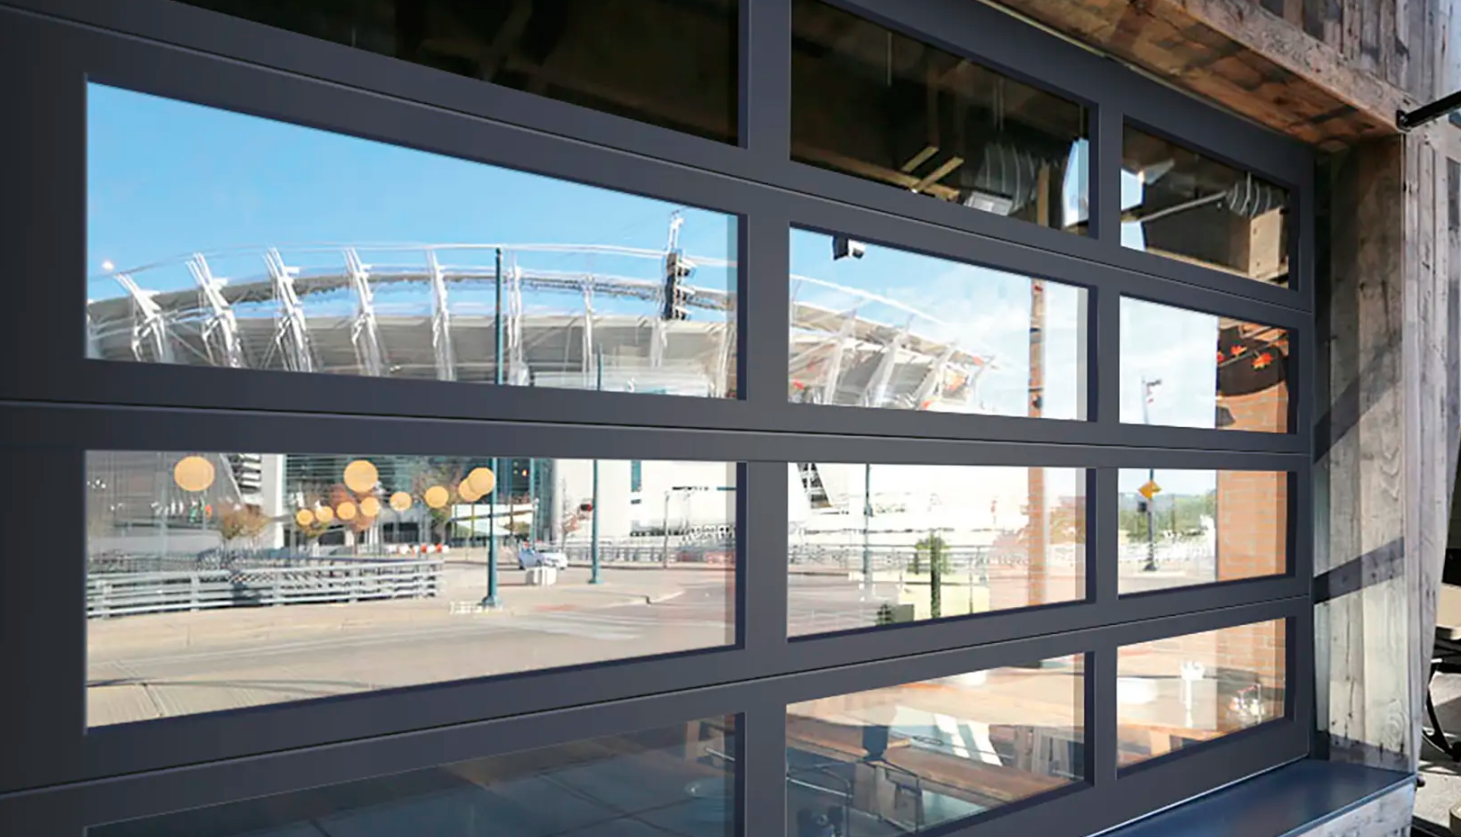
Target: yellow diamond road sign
1150, 489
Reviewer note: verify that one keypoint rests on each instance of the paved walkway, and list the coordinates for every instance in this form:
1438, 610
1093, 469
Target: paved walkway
160, 665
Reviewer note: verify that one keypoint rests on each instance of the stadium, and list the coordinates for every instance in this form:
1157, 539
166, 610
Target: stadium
575, 316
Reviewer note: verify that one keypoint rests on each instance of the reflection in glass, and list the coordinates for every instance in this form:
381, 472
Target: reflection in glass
222, 580
879, 105
907, 758
1181, 691
607, 56
676, 780
1183, 368
874, 326
289, 261
1182, 205
874, 545
1199, 527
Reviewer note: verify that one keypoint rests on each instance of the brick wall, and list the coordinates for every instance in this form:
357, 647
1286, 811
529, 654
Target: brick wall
1252, 540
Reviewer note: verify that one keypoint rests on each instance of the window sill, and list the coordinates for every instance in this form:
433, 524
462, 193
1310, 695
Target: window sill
1283, 803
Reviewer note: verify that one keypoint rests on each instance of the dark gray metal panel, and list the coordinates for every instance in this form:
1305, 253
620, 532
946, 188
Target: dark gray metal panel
1103, 539
763, 772
764, 548
287, 76
766, 94
51, 328
1164, 780
994, 37
1101, 717
1105, 156
765, 316
42, 620
146, 428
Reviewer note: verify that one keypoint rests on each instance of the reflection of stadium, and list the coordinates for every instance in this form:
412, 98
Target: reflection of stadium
431, 311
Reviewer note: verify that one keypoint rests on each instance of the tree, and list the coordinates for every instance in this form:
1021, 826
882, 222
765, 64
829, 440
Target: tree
448, 475
937, 552
242, 522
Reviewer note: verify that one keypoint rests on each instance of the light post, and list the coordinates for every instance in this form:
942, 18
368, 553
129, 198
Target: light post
1147, 387
867, 514
665, 557
593, 548
483, 482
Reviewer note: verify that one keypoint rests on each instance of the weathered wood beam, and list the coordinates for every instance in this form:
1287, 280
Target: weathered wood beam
1239, 55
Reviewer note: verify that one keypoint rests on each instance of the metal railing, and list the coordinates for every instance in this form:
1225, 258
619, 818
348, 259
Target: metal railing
650, 551
131, 593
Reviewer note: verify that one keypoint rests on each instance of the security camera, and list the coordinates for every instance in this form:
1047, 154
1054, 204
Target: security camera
843, 247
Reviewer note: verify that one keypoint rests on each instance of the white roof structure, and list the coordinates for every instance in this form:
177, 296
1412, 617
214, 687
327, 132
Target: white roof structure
429, 311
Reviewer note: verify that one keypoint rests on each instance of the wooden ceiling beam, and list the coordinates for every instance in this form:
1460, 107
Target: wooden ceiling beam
1249, 60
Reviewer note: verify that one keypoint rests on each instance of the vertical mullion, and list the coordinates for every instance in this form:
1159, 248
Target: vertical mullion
1102, 539
1100, 717
761, 591
1105, 175
765, 75
763, 313
1103, 357
761, 768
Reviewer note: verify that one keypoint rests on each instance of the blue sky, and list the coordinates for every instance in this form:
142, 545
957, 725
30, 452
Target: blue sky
167, 178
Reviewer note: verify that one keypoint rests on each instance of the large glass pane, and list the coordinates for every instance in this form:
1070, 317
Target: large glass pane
1182, 205
1180, 528
1177, 692
874, 545
290, 262
1191, 369
874, 326
666, 62
676, 780
908, 758
879, 105
223, 580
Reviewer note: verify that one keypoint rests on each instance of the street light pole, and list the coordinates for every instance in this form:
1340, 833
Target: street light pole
665, 558
492, 599
1151, 475
594, 510
867, 513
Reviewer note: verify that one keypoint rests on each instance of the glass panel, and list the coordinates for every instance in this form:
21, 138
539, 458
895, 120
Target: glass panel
1182, 205
603, 290
223, 580
674, 780
874, 545
875, 326
1180, 528
1181, 691
665, 62
1185, 368
879, 105
907, 758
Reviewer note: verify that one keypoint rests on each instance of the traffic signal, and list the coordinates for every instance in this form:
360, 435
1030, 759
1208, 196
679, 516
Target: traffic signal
678, 270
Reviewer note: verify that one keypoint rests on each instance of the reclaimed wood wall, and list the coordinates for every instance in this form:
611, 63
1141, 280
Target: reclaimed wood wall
1390, 355
1394, 40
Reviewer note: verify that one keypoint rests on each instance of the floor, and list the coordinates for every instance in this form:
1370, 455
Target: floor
1442, 790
